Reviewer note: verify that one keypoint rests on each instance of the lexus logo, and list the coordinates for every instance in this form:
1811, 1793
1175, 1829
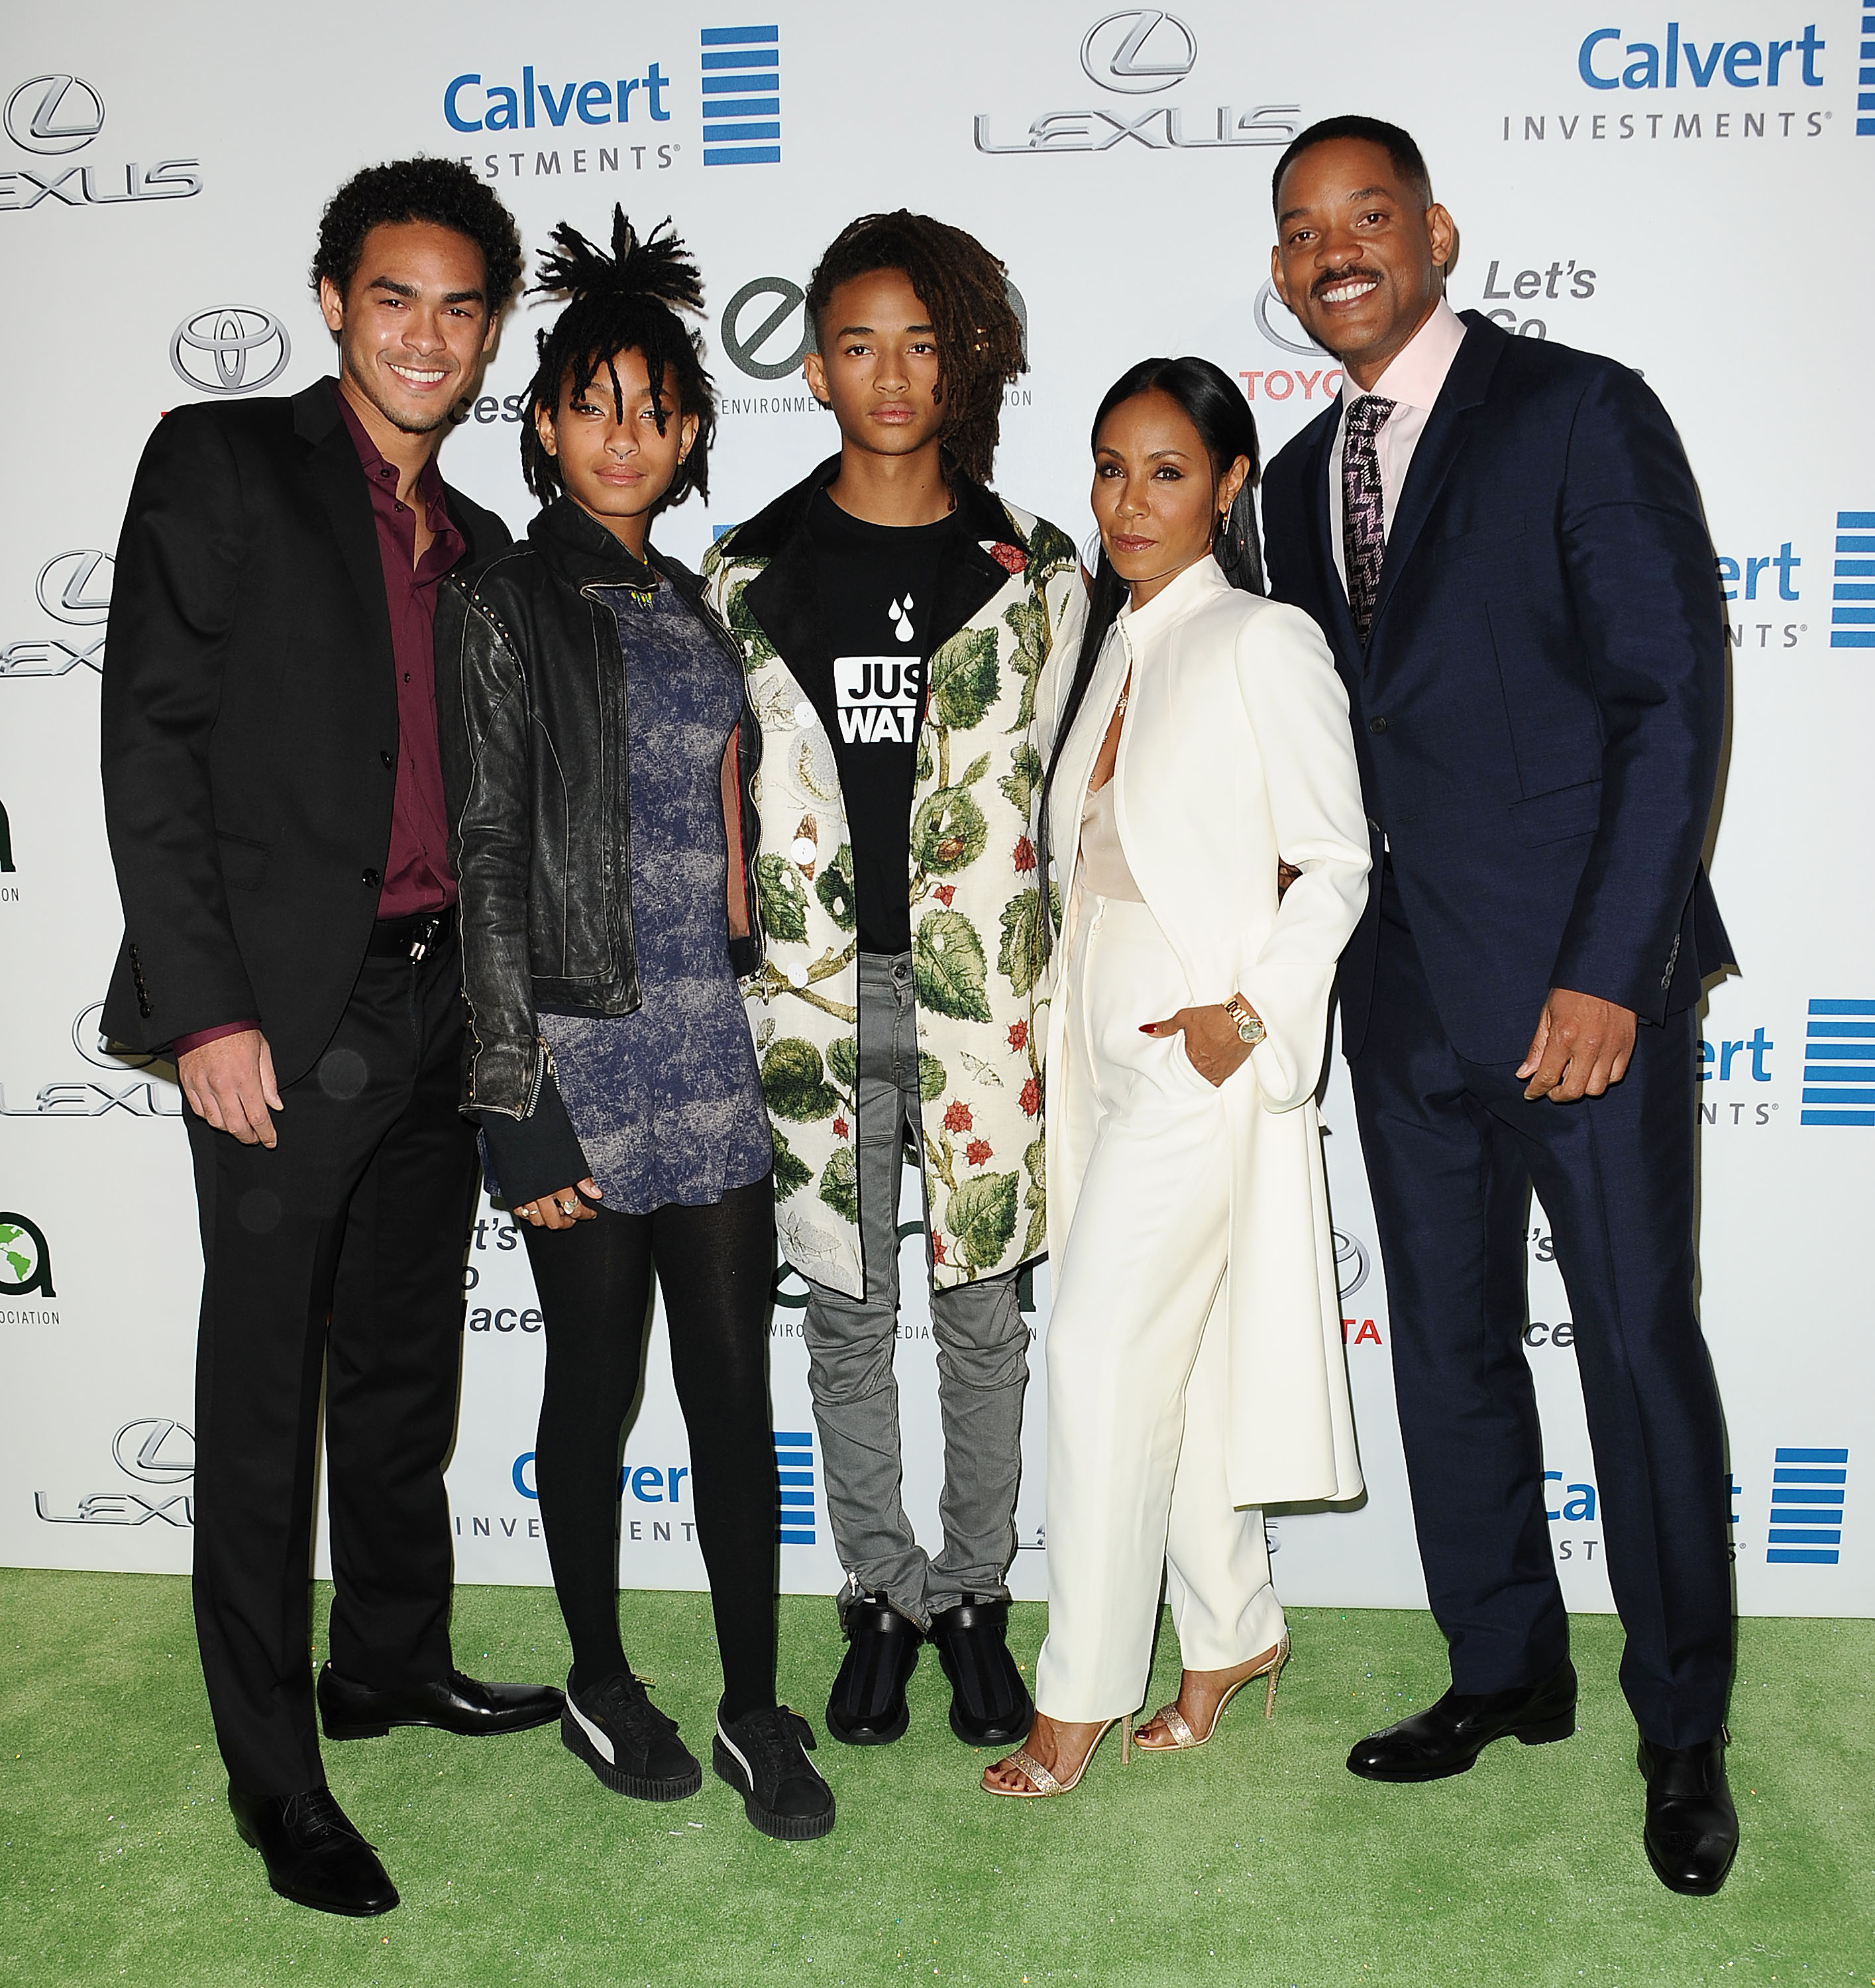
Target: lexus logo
749, 332
54, 113
1139, 52
230, 350
1350, 1264
1286, 331
89, 1039
75, 586
155, 1452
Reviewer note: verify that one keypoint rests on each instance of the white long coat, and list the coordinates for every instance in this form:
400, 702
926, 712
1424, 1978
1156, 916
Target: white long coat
1236, 750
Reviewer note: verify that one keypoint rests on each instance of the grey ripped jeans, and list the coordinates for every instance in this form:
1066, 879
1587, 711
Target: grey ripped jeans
982, 1359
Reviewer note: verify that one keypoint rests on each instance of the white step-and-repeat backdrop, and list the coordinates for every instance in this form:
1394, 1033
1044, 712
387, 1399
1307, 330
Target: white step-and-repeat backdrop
1690, 194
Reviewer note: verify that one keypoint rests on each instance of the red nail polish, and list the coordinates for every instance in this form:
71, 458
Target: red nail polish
1147, 1027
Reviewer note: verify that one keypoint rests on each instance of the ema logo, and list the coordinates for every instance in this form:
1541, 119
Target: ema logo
794, 1466
1839, 1064
1852, 626
742, 96
26, 1259
1744, 65
59, 113
1806, 1507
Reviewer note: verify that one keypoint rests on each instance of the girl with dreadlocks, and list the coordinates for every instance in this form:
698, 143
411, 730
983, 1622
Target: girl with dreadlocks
894, 613
600, 753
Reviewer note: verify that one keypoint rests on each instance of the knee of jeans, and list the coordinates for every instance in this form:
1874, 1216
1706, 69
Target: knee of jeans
982, 1345
849, 1370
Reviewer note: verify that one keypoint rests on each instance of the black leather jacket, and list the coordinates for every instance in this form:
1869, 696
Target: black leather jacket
532, 684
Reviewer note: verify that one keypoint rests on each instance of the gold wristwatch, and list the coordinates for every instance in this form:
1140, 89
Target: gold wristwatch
1250, 1028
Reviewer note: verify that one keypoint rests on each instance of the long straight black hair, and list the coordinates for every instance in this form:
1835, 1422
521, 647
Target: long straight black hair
1215, 405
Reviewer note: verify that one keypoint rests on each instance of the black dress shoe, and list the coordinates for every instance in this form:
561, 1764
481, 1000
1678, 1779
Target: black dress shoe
314, 1855
453, 1704
1692, 1828
1446, 1737
990, 1704
867, 1707
763, 1756
631, 1745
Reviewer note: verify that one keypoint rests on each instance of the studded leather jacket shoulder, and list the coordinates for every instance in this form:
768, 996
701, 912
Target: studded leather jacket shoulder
533, 688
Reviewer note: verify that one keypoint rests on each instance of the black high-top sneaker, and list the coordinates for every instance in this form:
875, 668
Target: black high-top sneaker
631, 1745
762, 1756
990, 1704
867, 1706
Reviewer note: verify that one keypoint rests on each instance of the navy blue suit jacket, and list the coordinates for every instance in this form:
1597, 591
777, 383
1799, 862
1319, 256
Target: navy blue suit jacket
1539, 711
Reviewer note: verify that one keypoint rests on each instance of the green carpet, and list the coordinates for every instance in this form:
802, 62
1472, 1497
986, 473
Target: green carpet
1258, 1861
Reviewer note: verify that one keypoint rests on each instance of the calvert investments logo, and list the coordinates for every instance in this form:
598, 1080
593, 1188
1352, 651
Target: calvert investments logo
1808, 1488
794, 1466
1839, 1064
58, 113
1142, 51
1852, 619
74, 588
154, 1452
742, 96
230, 349
609, 123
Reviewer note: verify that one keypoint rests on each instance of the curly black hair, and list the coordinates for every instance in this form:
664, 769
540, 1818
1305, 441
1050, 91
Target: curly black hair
625, 301
965, 288
441, 191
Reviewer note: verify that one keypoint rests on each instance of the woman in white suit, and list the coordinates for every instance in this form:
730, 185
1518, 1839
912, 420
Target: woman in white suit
1196, 737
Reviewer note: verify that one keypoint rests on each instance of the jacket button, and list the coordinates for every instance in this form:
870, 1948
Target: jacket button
1376, 724
388, 759
370, 880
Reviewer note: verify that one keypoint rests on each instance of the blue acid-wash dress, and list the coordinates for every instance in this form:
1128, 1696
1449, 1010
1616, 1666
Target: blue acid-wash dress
667, 1102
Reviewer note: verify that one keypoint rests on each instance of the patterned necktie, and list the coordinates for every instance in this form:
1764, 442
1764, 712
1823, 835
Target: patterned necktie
1363, 534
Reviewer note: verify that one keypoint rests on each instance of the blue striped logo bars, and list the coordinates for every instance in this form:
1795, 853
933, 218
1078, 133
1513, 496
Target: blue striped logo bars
1839, 1064
794, 1464
1865, 100
1806, 1507
1852, 618
742, 96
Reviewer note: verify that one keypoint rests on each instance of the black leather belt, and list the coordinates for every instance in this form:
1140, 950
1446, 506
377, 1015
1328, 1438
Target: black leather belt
410, 938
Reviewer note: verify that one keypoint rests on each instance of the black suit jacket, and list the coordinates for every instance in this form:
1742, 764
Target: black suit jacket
1540, 710
250, 724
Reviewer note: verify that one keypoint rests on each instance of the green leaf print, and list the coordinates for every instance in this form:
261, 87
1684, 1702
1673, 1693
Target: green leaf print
840, 1183
1035, 1198
1027, 621
1020, 958
833, 887
784, 902
932, 1081
790, 1175
923, 773
981, 1216
756, 647
948, 971
1049, 549
1019, 784
794, 1083
947, 832
965, 680
843, 1062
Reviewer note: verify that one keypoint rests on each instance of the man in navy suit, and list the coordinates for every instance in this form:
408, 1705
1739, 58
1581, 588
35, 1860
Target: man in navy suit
1502, 541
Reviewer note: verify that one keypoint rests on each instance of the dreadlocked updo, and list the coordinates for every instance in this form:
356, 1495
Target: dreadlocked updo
965, 289
624, 302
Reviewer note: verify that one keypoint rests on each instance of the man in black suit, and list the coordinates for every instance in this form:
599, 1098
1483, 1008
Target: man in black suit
1502, 541
273, 793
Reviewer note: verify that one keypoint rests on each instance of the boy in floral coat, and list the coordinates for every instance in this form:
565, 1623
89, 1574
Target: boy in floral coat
893, 615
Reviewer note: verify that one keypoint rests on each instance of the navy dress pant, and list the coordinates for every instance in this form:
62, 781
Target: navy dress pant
1452, 1150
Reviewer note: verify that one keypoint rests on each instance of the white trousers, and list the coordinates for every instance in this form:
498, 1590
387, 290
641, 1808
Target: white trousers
1136, 1344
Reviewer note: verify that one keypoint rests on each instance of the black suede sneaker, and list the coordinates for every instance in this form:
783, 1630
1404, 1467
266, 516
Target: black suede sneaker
631, 1745
990, 1704
762, 1756
866, 1707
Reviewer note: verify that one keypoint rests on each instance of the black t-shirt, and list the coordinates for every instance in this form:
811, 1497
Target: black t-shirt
878, 586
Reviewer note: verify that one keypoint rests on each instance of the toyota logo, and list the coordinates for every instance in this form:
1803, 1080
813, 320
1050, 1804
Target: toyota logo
744, 346
75, 586
89, 1039
1267, 301
54, 113
1139, 52
155, 1452
1350, 1264
230, 350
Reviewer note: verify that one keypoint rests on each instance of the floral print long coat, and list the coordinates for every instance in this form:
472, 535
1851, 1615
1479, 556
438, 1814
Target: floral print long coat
976, 949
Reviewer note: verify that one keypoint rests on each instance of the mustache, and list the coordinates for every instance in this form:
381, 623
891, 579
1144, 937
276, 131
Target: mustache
1330, 278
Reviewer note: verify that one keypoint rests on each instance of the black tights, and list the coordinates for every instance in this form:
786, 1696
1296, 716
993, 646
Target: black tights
716, 1266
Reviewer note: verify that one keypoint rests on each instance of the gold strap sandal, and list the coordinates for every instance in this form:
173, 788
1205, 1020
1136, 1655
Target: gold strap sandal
1175, 1723
1042, 1783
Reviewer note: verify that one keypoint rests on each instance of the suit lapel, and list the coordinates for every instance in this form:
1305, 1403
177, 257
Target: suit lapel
1342, 636
338, 479
785, 599
1453, 417
1068, 797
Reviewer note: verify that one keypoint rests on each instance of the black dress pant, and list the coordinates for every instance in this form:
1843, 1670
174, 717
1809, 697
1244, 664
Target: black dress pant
337, 1255
1452, 1148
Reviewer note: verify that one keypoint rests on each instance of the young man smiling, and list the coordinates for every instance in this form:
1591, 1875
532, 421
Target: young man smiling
273, 792
1502, 541
894, 614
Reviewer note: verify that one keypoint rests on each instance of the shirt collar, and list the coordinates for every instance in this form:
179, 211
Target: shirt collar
377, 471
1419, 368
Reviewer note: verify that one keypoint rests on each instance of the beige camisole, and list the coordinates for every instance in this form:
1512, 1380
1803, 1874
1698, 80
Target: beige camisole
1103, 866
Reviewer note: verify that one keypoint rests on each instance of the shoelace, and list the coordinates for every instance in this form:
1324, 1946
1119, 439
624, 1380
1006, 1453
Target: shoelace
770, 1741
625, 1703
314, 1814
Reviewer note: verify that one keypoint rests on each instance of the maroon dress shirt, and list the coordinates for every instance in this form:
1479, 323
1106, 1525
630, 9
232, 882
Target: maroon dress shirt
417, 873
